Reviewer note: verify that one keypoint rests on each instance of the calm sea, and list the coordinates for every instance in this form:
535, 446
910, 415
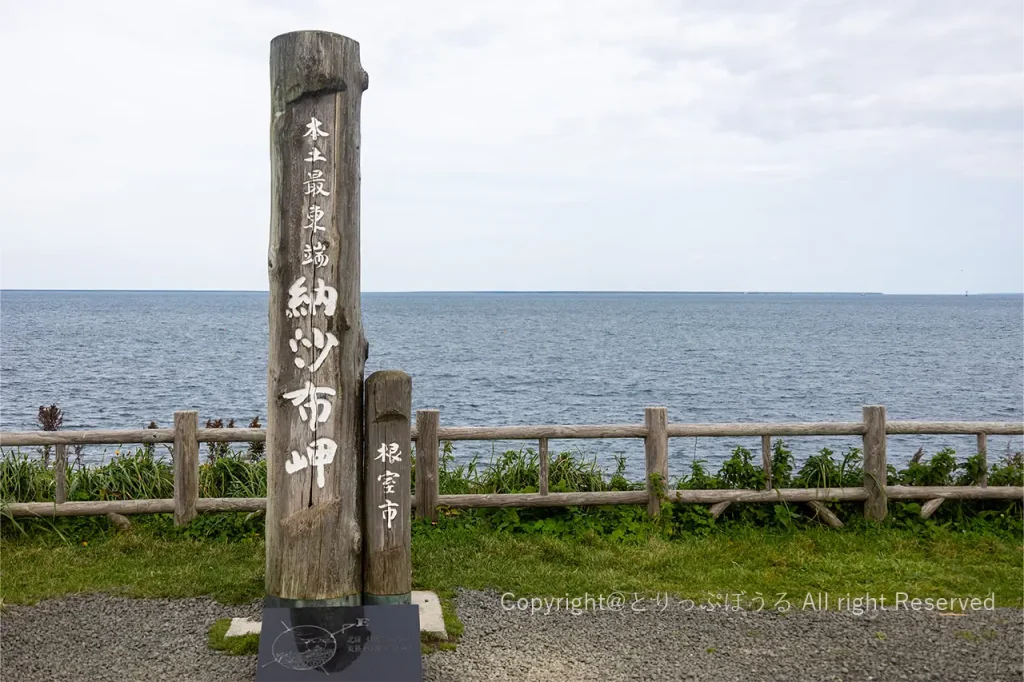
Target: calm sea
121, 359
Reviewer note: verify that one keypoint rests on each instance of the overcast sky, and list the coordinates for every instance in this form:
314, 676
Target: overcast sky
530, 145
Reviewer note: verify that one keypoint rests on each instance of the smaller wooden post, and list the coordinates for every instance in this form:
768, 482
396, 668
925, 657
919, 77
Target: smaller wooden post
60, 466
543, 487
876, 507
387, 495
426, 464
983, 451
656, 454
186, 466
766, 460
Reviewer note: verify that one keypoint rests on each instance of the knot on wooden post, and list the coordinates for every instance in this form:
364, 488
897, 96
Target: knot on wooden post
314, 63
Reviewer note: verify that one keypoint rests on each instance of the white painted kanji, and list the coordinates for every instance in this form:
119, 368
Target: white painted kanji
390, 511
315, 155
319, 453
315, 182
316, 409
314, 214
321, 341
388, 453
316, 255
301, 302
313, 130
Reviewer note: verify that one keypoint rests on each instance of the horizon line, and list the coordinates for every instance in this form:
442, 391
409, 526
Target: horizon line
524, 291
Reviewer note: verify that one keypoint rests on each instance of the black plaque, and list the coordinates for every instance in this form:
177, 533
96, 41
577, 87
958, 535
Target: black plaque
349, 643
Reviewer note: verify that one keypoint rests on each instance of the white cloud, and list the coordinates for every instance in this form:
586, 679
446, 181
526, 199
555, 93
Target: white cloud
136, 153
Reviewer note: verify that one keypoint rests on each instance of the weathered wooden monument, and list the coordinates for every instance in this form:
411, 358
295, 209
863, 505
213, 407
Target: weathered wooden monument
317, 349
338, 471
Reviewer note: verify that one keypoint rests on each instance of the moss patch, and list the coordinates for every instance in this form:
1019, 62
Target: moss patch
246, 645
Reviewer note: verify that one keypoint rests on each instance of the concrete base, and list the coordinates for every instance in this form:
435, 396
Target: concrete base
431, 618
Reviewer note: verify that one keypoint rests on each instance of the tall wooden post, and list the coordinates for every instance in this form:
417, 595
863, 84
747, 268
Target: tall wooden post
387, 578
317, 349
656, 455
876, 507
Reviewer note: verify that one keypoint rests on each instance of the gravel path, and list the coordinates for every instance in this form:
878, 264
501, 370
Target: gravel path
98, 637
680, 644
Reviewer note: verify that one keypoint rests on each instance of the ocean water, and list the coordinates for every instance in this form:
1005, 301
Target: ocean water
121, 359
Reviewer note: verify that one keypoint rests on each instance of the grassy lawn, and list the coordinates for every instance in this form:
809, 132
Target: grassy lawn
876, 562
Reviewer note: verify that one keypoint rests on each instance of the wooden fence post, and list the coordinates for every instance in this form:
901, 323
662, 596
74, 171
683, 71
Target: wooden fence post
186, 465
317, 349
983, 451
542, 486
387, 578
766, 460
876, 507
656, 455
60, 473
427, 447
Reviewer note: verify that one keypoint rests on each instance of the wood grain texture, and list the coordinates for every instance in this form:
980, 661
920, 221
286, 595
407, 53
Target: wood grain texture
543, 455
719, 507
232, 435
656, 455
496, 500
876, 507
130, 507
766, 460
98, 437
766, 429
314, 515
60, 473
953, 428
776, 495
929, 507
427, 446
388, 554
955, 492
186, 466
983, 451
825, 515
553, 431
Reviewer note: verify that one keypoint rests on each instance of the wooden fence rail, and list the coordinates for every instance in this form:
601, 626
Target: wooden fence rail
428, 434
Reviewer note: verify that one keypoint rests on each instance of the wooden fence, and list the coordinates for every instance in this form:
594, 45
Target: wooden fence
428, 434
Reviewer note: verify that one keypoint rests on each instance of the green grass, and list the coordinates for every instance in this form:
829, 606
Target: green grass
132, 565
246, 645
877, 562
885, 561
